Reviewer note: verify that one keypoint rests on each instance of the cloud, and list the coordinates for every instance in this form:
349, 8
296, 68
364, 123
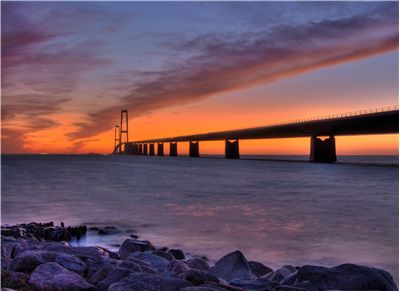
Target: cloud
226, 62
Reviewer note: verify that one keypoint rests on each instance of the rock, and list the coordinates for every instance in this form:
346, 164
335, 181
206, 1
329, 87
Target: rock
233, 266
347, 277
259, 269
7, 246
205, 287
199, 264
82, 252
155, 261
280, 274
144, 267
97, 269
177, 254
52, 276
197, 277
14, 280
71, 263
131, 245
177, 267
253, 285
27, 261
148, 282
163, 254
301, 286
112, 277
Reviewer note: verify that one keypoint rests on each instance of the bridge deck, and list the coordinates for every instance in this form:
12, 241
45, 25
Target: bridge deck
365, 123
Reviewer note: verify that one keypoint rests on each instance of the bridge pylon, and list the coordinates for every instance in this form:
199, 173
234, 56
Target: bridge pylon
116, 139
123, 130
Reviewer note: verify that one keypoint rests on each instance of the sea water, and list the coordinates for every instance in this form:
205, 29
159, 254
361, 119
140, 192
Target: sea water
285, 211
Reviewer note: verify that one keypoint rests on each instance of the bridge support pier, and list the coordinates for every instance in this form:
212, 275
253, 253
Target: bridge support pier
151, 149
128, 149
194, 149
232, 149
160, 149
145, 149
140, 148
323, 150
173, 149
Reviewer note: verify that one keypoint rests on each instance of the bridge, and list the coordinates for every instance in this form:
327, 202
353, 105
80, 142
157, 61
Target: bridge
366, 122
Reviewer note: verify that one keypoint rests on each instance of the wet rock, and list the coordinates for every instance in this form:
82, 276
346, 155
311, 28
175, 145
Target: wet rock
177, 267
280, 274
205, 287
98, 268
14, 280
112, 277
233, 266
71, 263
259, 269
130, 245
253, 285
148, 282
347, 277
197, 277
301, 286
52, 276
27, 261
108, 230
7, 246
155, 261
177, 254
163, 254
199, 264
145, 267
82, 252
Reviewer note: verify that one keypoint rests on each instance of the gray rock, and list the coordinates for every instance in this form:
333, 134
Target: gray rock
155, 261
148, 282
131, 245
27, 261
163, 254
205, 287
280, 274
301, 286
233, 266
112, 277
14, 280
253, 285
7, 246
71, 262
197, 277
82, 252
98, 269
177, 254
347, 277
145, 267
52, 276
259, 269
177, 267
199, 264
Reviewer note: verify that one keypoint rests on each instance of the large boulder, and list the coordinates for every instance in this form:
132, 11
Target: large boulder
280, 274
253, 285
71, 262
14, 280
7, 246
259, 269
198, 277
112, 277
155, 261
199, 264
148, 282
177, 267
177, 254
131, 245
27, 261
347, 277
233, 266
52, 276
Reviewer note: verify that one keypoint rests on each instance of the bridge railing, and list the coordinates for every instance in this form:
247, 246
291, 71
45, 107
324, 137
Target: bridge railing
321, 118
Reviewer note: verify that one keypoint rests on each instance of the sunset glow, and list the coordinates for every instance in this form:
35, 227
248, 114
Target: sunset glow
194, 67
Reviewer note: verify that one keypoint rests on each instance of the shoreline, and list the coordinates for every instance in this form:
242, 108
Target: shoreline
38, 256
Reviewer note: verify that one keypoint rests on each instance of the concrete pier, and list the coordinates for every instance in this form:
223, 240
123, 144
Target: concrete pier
323, 150
140, 147
194, 149
151, 149
145, 149
232, 149
173, 149
160, 149
129, 149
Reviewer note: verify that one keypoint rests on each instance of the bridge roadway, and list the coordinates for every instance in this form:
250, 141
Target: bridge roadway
377, 121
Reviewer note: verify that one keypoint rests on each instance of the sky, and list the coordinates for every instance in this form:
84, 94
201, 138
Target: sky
68, 68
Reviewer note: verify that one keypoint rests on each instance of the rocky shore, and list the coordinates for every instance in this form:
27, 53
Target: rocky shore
37, 256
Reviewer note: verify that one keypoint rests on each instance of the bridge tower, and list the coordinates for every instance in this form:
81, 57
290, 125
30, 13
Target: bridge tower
123, 130
116, 139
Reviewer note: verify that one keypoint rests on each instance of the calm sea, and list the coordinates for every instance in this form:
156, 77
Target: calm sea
276, 212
